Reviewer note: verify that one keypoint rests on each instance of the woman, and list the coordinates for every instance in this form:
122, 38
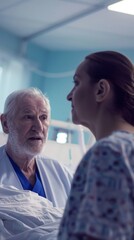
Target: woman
101, 202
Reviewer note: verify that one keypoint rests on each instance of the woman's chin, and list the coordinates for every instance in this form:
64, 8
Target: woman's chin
75, 120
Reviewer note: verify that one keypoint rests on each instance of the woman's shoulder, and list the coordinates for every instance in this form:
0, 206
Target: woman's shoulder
116, 139
118, 143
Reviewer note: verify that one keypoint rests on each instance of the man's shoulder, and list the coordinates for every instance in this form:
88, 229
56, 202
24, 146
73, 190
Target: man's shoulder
53, 163
46, 159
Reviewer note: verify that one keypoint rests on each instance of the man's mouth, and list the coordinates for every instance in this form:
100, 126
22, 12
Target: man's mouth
35, 138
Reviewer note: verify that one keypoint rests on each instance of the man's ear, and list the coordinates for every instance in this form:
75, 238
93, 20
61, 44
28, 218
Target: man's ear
4, 123
102, 90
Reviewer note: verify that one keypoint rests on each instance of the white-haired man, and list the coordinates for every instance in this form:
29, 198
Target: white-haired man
26, 120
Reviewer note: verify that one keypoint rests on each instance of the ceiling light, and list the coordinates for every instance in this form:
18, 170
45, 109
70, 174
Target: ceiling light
124, 6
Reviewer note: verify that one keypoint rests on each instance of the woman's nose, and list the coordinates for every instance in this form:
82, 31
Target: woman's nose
69, 96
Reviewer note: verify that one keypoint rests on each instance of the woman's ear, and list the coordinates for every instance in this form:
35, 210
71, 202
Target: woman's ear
4, 123
102, 90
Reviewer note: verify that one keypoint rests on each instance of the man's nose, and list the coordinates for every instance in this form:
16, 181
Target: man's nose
37, 124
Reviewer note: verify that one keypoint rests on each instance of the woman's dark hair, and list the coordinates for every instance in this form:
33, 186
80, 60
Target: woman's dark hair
119, 70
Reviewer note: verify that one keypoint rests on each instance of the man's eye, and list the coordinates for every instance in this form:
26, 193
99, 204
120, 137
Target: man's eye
44, 117
28, 117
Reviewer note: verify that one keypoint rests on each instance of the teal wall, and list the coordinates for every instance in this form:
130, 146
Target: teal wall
37, 56
61, 63
9, 49
51, 71
9, 42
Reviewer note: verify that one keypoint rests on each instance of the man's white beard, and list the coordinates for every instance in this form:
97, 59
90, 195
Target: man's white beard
17, 147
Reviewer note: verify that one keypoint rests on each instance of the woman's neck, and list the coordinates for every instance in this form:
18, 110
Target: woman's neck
107, 125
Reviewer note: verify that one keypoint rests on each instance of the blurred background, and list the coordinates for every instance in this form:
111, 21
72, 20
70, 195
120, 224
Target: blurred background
41, 44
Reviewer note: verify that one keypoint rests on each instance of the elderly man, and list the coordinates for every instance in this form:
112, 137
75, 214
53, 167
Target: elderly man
26, 120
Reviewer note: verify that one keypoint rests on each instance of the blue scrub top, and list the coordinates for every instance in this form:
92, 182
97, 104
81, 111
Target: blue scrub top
38, 187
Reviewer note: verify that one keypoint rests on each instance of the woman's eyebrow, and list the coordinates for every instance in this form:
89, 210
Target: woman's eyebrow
75, 76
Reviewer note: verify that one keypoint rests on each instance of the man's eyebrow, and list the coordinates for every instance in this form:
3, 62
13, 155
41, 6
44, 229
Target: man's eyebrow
26, 110
44, 111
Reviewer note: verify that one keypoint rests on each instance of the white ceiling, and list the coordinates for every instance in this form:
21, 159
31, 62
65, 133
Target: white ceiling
68, 24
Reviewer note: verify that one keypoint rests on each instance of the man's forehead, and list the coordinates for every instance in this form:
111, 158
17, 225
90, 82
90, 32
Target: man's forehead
28, 109
31, 100
29, 105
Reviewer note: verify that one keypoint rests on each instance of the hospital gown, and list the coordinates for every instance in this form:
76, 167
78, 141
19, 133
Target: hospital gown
101, 202
56, 179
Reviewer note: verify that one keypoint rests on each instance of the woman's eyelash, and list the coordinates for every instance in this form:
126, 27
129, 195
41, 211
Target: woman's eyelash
76, 83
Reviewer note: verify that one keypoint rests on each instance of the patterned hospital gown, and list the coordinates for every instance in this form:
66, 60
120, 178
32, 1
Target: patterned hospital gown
101, 202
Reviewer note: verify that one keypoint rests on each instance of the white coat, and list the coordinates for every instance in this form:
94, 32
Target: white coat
55, 178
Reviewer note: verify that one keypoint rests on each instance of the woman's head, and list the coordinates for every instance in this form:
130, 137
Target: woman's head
108, 67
